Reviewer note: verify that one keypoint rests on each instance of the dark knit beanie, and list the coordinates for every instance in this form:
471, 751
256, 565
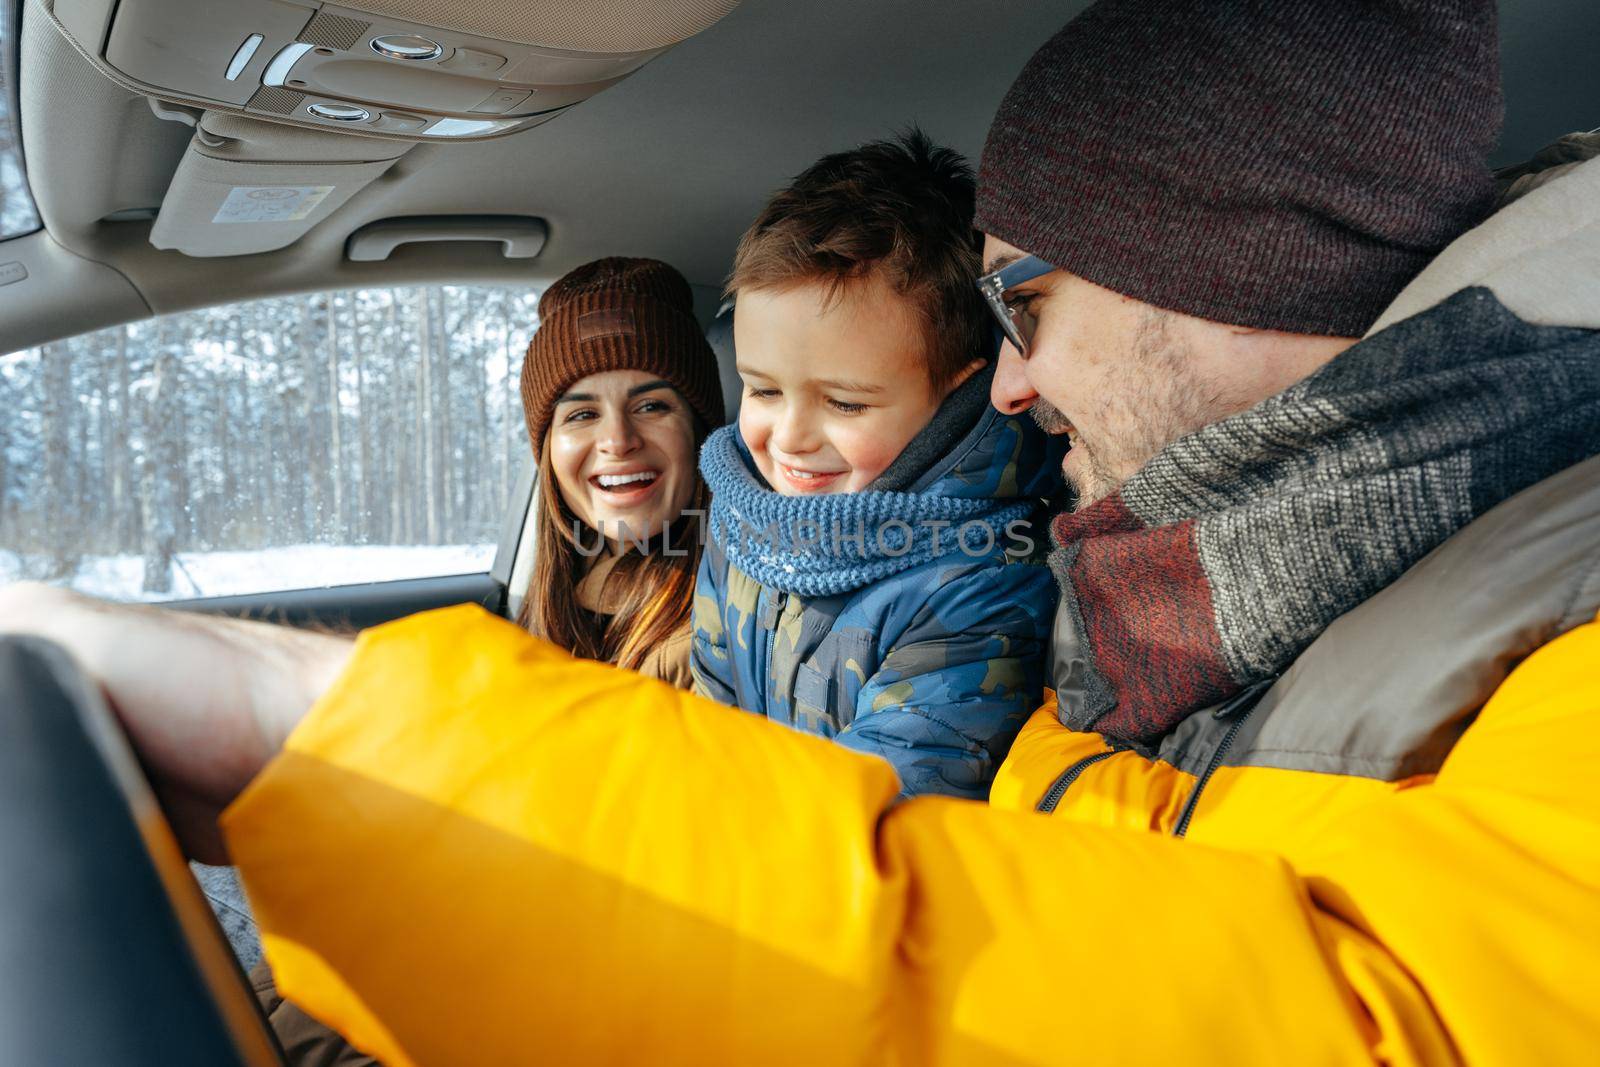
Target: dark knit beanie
618, 314
1282, 164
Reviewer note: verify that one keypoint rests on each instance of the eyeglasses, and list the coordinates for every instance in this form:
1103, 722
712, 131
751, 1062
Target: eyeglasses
1017, 325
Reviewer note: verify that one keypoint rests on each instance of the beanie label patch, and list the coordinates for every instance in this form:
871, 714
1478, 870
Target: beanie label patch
606, 322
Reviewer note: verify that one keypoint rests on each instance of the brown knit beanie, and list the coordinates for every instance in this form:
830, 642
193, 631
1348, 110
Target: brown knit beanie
618, 314
1283, 164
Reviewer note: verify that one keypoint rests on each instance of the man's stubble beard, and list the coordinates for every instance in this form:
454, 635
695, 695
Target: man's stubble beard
1155, 397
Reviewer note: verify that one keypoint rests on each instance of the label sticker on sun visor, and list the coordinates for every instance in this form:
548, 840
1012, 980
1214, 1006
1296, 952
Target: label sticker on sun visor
271, 203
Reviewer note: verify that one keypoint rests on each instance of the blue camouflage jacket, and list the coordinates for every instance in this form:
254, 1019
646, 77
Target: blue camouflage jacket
922, 646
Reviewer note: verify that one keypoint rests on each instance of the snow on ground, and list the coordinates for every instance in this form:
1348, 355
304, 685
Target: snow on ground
267, 570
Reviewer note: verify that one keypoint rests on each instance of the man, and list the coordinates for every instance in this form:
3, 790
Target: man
1293, 595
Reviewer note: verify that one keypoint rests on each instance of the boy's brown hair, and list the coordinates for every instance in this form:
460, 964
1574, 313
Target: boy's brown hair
900, 210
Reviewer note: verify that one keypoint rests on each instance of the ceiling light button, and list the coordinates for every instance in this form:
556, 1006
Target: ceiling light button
339, 112
472, 62
502, 102
395, 122
407, 46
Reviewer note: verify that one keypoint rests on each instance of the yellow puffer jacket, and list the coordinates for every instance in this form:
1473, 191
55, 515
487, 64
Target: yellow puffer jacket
477, 850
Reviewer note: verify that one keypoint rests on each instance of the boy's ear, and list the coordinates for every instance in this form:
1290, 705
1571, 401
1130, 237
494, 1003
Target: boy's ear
966, 372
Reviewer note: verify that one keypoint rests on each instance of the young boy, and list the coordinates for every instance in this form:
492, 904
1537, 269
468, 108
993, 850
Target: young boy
862, 579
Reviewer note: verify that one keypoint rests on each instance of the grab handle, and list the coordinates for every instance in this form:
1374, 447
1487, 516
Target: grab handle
519, 236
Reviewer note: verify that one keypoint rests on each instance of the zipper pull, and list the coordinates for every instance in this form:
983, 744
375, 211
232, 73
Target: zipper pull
1244, 698
771, 607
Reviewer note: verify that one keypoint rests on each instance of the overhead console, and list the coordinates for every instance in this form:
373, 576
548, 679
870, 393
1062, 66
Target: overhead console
414, 69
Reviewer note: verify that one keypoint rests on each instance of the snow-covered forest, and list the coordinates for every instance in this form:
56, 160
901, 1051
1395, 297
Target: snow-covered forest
373, 417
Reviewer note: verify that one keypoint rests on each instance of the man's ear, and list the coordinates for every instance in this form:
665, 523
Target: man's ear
966, 372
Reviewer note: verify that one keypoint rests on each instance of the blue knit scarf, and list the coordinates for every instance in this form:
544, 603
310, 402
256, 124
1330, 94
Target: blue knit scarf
833, 543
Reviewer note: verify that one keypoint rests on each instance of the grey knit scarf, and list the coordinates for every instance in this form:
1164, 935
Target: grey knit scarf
1220, 561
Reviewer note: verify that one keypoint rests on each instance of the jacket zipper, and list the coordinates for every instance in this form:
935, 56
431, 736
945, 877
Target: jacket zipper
1243, 704
1059, 787
771, 642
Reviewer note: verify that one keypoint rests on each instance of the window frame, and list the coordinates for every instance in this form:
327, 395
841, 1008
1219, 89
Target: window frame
11, 75
513, 559
508, 534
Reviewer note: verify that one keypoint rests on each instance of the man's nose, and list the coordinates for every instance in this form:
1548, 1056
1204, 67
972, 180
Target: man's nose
1010, 392
618, 437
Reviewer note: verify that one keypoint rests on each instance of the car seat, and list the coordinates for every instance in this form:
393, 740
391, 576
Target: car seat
720, 335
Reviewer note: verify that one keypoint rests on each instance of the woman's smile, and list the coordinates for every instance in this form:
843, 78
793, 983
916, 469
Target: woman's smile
622, 489
622, 449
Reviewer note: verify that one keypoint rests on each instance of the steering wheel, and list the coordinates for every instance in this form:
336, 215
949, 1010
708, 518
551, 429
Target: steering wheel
108, 951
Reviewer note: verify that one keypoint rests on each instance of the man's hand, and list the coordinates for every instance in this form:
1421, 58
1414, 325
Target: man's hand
205, 701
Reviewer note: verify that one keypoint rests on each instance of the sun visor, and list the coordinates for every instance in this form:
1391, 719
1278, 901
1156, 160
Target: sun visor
246, 186
417, 69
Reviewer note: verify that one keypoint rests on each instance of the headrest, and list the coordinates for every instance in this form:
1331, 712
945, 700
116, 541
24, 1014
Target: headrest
720, 336
1539, 255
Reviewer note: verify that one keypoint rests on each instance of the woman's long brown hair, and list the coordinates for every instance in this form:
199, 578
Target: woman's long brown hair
653, 592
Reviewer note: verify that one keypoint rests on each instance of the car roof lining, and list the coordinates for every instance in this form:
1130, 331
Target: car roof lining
671, 163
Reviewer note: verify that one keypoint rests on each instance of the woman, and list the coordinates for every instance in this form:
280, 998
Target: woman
619, 388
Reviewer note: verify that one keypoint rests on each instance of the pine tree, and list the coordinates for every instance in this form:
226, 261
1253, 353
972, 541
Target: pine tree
162, 455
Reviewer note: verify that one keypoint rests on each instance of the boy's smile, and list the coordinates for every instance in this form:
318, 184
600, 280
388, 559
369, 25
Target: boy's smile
807, 481
836, 383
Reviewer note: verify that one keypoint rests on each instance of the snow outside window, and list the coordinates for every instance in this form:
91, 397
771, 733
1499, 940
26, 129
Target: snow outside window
17, 214
290, 443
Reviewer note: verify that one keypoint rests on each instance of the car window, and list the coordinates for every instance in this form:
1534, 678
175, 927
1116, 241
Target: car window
17, 213
295, 442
